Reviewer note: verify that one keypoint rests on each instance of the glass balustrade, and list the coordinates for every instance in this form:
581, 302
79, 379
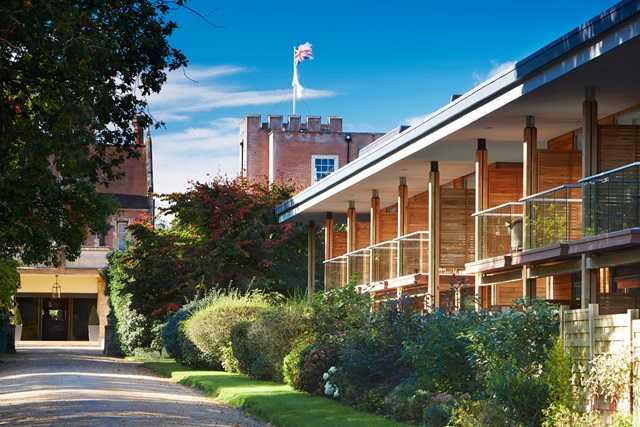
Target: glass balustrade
335, 272
500, 229
414, 253
553, 216
384, 259
359, 264
611, 200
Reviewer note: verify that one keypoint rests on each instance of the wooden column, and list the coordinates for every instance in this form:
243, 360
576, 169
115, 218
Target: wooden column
434, 234
403, 201
374, 216
481, 203
311, 259
589, 167
351, 227
529, 187
328, 236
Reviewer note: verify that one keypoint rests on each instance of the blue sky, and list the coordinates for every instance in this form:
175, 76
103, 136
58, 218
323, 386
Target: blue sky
377, 65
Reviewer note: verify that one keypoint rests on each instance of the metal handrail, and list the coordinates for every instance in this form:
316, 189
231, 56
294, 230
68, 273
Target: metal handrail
609, 172
552, 190
504, 205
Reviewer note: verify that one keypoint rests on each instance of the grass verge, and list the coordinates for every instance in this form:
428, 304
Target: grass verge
268, 401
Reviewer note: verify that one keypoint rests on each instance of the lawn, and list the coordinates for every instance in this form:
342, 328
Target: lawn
268, 401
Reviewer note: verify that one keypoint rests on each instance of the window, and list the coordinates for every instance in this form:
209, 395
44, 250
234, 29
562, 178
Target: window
102, 239
122, 235
322, 165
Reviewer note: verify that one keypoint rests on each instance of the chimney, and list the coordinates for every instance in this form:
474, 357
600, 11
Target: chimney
275, 122
294, 123
335, 124
313, 123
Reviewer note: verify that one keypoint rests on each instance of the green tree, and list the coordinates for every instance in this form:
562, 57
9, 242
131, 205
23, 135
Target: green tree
73, 76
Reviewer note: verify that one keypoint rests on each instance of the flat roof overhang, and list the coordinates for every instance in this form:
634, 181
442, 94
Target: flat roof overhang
549, 85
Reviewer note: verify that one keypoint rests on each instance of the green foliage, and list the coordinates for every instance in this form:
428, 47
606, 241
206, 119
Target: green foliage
405, 402
558, 373
9, 282
337, 311
17, 316
559, 415
210, 327
608, 375
436, 415
272, 334
520, 337
441, 353
242, 347
316, 360
370, 356
622, 420
132, 329
73, 76
292, 364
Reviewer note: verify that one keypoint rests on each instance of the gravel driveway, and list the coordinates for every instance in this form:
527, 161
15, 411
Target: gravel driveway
80, 387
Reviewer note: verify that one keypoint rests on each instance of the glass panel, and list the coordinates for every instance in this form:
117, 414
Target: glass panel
323, 166
335, 272
384, 257
414, 253
500, 230
554, 216
611, 200
359, 266
122, 235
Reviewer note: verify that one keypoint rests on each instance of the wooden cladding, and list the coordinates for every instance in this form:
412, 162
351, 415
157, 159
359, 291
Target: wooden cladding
339, 243
557, 168
618, 146
456, 227
417, 213
362, 234
505, 183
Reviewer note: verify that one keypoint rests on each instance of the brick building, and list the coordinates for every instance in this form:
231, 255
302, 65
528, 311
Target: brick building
299, 151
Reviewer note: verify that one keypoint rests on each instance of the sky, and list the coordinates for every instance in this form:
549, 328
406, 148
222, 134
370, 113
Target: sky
376, 64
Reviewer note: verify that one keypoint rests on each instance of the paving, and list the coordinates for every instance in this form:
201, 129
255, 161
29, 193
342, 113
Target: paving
78, 386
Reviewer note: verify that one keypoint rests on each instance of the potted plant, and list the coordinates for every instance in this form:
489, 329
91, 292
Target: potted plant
94, 322
17, 321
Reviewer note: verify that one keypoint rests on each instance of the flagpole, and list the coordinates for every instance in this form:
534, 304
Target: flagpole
293, 87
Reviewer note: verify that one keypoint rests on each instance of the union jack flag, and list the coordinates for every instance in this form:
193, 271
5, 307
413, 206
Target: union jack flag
303, 52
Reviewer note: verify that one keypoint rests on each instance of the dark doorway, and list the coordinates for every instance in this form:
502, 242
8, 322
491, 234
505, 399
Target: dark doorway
30, 313
55, 314
81, 310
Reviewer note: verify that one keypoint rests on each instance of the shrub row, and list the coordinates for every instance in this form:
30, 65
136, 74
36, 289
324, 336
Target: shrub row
462, 369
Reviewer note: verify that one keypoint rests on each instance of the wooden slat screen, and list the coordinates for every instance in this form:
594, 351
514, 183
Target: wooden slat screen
618, 145
339, 243
456, 227
505, 183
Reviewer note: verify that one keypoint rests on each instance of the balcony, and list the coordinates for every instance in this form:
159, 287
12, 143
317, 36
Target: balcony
611, 200
404, 256
500, 230
553, 216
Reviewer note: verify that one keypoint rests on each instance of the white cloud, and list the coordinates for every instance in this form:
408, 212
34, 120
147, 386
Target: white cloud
497, 68
198, 90
412, 121
195, 154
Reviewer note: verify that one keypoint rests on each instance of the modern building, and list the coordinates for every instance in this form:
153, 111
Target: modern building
528, 185
57, 303
298, 152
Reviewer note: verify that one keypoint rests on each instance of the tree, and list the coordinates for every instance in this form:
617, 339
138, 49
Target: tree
225, 233
74, 75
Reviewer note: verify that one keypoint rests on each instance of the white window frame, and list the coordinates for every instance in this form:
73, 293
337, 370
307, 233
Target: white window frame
334, 157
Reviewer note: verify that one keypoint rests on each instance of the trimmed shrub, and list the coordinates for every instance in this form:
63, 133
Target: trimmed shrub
316, 360
292, 365
210, 327
272, 335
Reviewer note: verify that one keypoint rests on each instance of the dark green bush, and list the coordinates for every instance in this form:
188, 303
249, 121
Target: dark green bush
243, 350
316, 360
405, 402
370, 356
133, 330
441, 353
210, 327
